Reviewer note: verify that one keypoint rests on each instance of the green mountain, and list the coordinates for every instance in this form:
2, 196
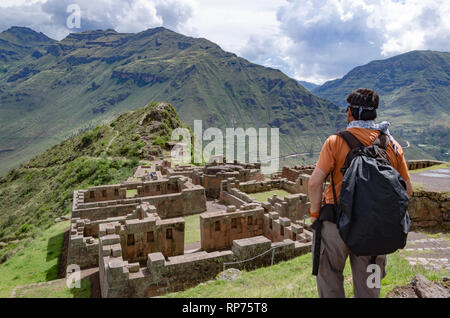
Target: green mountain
50, 90
17, 43
31, 197
415, 96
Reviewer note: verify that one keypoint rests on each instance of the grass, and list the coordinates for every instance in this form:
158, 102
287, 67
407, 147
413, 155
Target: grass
56, 289
263, 196
31, 199
192, 229
131, 193
32, 196
293, 279
418, 186
38, 262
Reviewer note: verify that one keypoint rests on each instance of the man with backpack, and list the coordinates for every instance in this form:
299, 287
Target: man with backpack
365, 212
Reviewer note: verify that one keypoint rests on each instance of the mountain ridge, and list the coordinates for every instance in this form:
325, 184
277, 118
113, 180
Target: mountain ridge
414, 90
96, 75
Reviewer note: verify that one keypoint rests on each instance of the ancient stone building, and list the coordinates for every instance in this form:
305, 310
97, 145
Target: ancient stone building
179, 170
220, 229
172, 197
142, 231
294, 206
134, 232
169, 198
278, 229
299, 175
214, 173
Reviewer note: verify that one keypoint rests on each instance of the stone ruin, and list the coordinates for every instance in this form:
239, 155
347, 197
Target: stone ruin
420, 164
170, 198
212, 175
165, 168
294, 206
137, 241
299, 175
145, 173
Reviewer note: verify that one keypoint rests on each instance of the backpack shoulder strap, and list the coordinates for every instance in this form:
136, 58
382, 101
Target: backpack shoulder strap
382, 141
350, 139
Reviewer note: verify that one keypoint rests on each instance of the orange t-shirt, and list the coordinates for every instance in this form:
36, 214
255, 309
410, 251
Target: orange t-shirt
335, 149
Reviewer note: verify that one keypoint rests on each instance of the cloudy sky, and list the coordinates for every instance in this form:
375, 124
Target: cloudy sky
314, 40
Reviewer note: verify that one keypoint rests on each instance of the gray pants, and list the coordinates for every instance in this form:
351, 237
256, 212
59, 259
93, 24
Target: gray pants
333, 255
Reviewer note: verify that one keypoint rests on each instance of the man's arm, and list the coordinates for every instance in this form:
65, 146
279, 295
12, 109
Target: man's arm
315, 189
409, 188
402, 168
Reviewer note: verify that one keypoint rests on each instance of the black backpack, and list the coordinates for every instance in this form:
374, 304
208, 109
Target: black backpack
373, 217
371, 213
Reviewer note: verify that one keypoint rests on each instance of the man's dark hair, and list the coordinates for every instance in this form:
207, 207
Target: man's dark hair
363, 97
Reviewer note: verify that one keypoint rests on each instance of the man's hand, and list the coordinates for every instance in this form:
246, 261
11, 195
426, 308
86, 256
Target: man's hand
313, 220
315, 189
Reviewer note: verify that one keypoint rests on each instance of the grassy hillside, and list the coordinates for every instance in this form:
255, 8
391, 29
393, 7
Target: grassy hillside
89, 78
293, 279
32, 196
415, 96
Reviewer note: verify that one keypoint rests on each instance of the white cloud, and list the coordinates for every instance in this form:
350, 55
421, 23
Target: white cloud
313, 40
49, 16
329, 37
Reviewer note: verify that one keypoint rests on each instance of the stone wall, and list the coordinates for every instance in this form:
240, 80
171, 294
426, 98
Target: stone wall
420, 164
189, 200
278, 229
292, 173
186, 171
141, 232
163, 166
213, 174
82, 251
231, 194
212, 183
105, 193
294, 206
218, 230
429, 209
119, 278
144, 189
139, 237
266, 185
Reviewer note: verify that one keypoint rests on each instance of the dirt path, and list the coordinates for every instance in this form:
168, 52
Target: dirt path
433, 180
111, 141
430, 250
